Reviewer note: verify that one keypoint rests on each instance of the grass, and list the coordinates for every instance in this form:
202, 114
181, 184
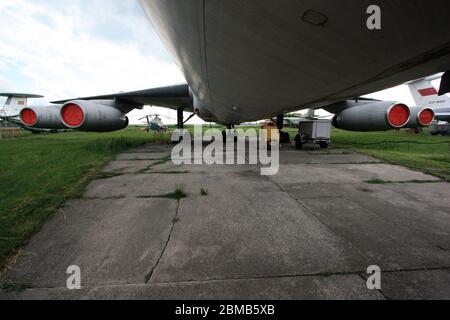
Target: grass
38, 173
379, 181
421, 152
157, 163
376, 181
14, 287
166, 172
178, 194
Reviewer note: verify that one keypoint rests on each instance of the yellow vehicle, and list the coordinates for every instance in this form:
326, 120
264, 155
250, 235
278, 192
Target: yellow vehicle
271, 131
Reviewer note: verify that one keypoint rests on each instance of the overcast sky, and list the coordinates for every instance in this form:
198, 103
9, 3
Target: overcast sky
71, 48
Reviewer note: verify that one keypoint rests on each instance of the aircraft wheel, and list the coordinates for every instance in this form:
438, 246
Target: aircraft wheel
298, 142
284, 137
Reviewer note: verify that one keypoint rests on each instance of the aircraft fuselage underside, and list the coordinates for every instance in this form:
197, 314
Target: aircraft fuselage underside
249, 60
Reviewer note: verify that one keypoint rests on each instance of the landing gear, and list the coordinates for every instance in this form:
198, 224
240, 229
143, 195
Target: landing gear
230, 129
180, 118
298, 142
284, 136
181, 122
180, 125
280, 122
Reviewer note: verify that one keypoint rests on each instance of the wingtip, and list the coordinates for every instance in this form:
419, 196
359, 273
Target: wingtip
21, 95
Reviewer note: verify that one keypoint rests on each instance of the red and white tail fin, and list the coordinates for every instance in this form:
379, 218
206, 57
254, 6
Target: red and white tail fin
15, 102
426, 95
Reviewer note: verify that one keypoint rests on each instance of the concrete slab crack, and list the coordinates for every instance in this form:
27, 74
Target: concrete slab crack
314, 216
359, 273
175, 220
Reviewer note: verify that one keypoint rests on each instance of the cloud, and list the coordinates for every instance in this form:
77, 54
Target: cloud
65, 49
6, 85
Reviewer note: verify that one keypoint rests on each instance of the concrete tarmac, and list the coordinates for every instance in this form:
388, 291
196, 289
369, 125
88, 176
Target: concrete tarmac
309, 232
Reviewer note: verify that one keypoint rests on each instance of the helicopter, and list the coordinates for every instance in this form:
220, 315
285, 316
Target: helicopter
154, 123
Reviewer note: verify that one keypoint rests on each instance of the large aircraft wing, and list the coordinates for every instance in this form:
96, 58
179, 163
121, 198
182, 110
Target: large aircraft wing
172, 97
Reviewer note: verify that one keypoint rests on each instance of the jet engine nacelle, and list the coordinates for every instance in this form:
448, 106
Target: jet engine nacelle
42, 117
420, 117
371, 115
93, 116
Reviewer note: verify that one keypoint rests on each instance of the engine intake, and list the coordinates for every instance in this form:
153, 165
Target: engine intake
28, 117
370, 115
93, 117
42, 117
425, 117
420, 117
72, 115
398, 115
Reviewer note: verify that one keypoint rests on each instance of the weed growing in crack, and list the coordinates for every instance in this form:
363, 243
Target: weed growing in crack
178, 194
14, 287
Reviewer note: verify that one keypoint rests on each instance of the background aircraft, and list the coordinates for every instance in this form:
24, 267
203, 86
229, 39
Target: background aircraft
154, 123
17, 112
11, 111
251, 60
15, 102
425, 95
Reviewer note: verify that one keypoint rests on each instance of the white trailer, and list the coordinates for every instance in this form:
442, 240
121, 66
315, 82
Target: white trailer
317, 132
